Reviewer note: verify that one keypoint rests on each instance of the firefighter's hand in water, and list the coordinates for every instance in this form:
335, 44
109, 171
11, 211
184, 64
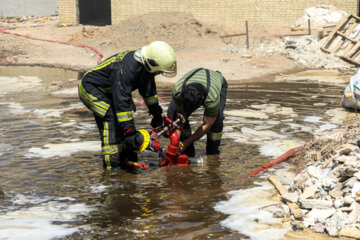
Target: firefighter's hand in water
183, 146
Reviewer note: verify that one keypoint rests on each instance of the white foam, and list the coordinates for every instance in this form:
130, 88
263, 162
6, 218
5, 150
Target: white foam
63, 149
276, 148
313, 119
247, 215
16, 108
13, 84
98, 189
37, 222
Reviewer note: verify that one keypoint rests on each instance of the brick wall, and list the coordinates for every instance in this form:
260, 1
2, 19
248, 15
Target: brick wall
68, 12
284, 12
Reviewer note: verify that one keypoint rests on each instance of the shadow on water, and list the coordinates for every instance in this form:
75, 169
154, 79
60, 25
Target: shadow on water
50, 153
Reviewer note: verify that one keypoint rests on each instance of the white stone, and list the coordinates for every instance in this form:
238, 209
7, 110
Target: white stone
339, 202
355, 193
315, 203
348, 200
290, 197
309, 192
355, 213
318, 215
315, 172
319, 228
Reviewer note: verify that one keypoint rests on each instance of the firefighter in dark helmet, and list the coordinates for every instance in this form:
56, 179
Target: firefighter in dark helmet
200, 87
106, 91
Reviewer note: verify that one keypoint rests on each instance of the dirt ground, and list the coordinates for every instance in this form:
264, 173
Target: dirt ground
196, 44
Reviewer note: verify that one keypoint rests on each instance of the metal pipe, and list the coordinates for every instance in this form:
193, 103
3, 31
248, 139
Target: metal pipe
247, 34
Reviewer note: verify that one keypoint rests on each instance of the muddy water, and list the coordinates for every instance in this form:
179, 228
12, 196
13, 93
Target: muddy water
53, 185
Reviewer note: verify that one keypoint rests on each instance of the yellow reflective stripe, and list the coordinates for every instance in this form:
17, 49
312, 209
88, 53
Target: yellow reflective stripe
100, 107
107, 162
116, 58
111, 149
151, 100
102, 65
106, 133
124, 116
90, 104
215, 136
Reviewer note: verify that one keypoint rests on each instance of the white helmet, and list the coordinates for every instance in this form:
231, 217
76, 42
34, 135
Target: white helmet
159, 57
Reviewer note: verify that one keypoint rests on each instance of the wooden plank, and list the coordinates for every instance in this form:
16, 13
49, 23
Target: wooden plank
332, 36
294, 208
347, 33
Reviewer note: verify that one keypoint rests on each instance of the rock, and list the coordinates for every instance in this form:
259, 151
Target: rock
339, 219
315, 203
309, 192
278, 214
355, 192
355, 213
328, 183
319, 228
290, 197
318, 215
335, 193
351, 232
346, 209
346, 159
286, 209
331, 229
357, 175
348, 200
315, 172
349, 172
350, 182
346, 190
339, 202
335, 173
346, 149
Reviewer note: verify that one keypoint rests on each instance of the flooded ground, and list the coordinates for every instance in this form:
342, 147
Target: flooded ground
52, 184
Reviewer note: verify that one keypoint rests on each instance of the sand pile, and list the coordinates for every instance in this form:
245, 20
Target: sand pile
179, 29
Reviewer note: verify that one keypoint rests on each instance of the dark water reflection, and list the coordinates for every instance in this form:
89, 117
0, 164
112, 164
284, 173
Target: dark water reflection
159, 203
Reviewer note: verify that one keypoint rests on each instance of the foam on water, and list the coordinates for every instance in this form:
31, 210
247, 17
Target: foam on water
16, 108
13, 84
275, 148
248, 216
63, 149
251, 210
38, 221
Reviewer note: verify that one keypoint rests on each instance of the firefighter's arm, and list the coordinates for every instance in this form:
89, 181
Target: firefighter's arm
149, 94
201, 131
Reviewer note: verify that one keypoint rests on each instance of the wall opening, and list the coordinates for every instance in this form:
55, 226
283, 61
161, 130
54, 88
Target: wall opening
95, 12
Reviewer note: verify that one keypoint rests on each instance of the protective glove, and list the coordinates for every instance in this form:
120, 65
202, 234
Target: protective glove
156, 121
134, 141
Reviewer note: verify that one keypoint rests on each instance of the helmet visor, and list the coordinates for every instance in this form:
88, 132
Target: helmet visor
171, 72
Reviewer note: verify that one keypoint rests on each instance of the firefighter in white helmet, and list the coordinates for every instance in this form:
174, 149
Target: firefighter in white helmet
106, 91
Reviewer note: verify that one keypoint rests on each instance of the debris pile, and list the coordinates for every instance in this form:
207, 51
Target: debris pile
321, 15
306, 51
328, 191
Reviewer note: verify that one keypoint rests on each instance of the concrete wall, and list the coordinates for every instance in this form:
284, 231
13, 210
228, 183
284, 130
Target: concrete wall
16, 8
284, 12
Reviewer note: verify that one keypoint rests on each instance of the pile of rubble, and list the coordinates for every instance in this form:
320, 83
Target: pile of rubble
328, 193
306, 51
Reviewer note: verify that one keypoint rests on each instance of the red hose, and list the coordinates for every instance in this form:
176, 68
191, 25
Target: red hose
284, 157
98, 52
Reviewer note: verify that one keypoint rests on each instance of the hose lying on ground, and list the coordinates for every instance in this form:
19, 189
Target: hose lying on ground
284, 157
